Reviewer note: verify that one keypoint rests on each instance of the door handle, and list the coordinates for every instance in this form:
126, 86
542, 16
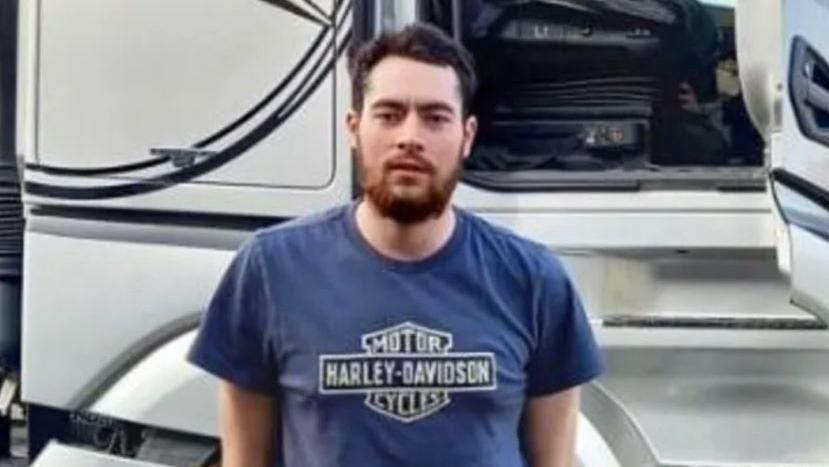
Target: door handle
818, 98
809, 90
183, 157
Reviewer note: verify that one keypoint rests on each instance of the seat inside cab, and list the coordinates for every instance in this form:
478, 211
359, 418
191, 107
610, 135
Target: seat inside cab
605, 91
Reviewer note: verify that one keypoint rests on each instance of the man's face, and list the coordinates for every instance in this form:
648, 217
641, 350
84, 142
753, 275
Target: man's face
410, 138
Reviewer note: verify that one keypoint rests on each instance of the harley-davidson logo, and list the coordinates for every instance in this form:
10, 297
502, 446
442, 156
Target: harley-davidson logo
407, 371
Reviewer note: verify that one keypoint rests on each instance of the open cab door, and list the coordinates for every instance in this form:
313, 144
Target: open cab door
783, 52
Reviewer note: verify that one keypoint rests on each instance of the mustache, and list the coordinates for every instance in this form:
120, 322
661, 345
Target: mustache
409, 161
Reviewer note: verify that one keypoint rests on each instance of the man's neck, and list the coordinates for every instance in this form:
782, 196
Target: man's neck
404, 242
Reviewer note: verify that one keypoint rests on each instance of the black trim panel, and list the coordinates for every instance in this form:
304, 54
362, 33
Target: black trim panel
816, 194
714, 322
97, 171
515, 182
8, 79
737, 180
364, 21
162, 218
11, 209
290, 7
363, 31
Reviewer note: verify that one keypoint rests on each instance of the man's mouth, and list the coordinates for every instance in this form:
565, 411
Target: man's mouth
409, 165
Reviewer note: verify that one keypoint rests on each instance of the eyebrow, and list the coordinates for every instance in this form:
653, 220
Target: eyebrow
428, 106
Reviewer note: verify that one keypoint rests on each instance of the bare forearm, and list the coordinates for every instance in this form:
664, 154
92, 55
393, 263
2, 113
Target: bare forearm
247, 427
550, 427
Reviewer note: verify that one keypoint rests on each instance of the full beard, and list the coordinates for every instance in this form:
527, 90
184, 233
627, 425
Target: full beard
407, 209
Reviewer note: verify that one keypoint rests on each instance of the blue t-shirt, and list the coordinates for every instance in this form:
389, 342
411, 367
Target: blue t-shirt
377, 362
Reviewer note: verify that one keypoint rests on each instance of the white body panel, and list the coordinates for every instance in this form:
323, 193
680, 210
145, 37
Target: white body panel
164, 390
112, 63
591, 448
85, 107
653, 220
800, 155
775, 79
105, 303
809, 160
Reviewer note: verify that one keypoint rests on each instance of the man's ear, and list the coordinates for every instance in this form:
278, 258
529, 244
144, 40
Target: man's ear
470, 130
352, 125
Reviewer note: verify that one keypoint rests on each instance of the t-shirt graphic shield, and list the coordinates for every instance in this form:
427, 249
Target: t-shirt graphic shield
407, 372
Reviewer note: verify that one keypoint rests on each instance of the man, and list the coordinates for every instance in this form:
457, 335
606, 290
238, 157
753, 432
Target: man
397, 330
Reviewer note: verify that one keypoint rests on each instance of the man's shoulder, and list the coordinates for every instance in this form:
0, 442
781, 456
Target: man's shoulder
317, 226
521, 254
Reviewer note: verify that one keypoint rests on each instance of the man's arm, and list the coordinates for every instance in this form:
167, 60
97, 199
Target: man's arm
550, 428
247, 427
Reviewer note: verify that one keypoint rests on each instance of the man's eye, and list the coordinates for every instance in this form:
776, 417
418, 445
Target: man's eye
387, 117
436, 119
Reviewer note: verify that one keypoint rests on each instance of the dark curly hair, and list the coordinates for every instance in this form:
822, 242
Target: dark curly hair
418, 41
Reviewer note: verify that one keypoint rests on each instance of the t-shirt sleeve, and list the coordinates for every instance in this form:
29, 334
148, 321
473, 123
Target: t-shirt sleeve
565, 354
233, 342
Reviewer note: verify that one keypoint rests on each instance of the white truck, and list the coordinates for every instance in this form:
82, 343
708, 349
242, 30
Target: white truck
153, 136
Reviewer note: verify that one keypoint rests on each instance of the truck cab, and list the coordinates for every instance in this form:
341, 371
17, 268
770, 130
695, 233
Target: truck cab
674, 153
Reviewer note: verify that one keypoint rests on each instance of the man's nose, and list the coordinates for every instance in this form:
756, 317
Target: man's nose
410, 137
